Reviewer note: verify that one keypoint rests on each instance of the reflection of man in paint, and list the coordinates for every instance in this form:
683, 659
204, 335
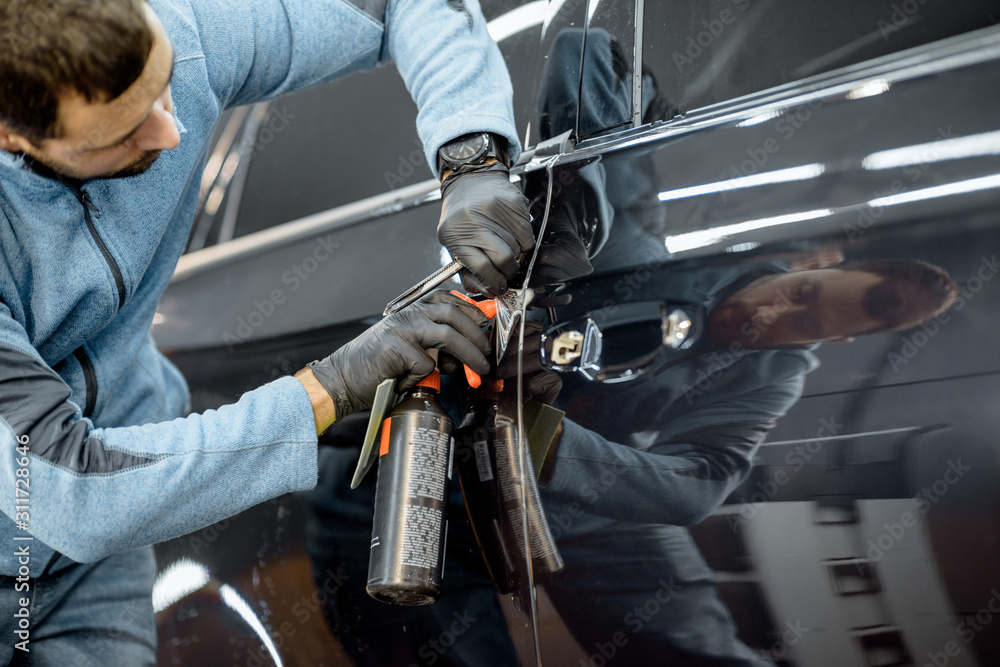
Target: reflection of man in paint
913, 343
829, 304
637, 461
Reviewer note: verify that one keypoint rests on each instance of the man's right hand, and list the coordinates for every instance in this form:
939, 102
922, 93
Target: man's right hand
396, 348
485, 225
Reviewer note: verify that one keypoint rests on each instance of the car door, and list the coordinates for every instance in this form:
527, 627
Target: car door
676, 144
779, 139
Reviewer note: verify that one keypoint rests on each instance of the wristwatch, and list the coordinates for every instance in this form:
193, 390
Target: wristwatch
476, 148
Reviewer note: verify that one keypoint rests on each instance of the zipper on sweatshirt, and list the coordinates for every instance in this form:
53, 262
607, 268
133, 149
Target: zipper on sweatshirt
90, 211
89, 378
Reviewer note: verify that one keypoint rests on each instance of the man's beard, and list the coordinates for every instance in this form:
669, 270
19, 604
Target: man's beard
733, 321
139, 166
728, 320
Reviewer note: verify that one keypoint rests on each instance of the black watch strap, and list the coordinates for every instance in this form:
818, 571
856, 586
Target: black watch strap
472, 149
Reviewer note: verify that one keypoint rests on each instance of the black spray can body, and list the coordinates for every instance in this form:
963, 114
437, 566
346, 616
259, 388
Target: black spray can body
502, 498
411, 495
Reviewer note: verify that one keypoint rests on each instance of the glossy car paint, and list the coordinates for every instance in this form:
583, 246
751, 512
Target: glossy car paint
866, 531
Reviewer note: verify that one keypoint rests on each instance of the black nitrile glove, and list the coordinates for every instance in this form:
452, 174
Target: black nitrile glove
562, 254
485, 225
395, 348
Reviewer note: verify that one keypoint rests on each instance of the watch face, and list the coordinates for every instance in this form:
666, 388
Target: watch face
468, 149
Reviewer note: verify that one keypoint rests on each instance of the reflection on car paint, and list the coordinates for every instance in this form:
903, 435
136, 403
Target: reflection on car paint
755, 498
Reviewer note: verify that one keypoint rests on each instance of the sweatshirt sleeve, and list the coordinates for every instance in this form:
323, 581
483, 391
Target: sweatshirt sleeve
259, 49
454, 71
677, 483
90, 492
695, 461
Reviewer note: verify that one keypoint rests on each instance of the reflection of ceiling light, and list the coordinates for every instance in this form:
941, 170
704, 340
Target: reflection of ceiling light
869, 89
759, 118
240, 606
743, 247
214, 200
516, 20
592, 8
184, 577
977, 145
705, 237
767, 178
554, 7
180, 579
960, 188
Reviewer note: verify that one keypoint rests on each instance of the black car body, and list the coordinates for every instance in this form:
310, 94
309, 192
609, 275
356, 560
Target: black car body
668, 139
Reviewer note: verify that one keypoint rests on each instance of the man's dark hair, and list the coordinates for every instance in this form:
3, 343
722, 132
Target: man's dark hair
51, 48
910, 293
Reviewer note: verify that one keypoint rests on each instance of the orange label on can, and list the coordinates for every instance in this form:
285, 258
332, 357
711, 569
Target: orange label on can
383, 447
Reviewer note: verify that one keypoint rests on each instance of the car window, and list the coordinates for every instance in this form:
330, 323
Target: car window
701, 52
606, 86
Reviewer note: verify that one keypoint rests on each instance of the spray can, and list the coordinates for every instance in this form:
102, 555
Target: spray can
411, 495
502, 497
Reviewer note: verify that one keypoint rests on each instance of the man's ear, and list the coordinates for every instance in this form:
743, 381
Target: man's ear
11, 142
